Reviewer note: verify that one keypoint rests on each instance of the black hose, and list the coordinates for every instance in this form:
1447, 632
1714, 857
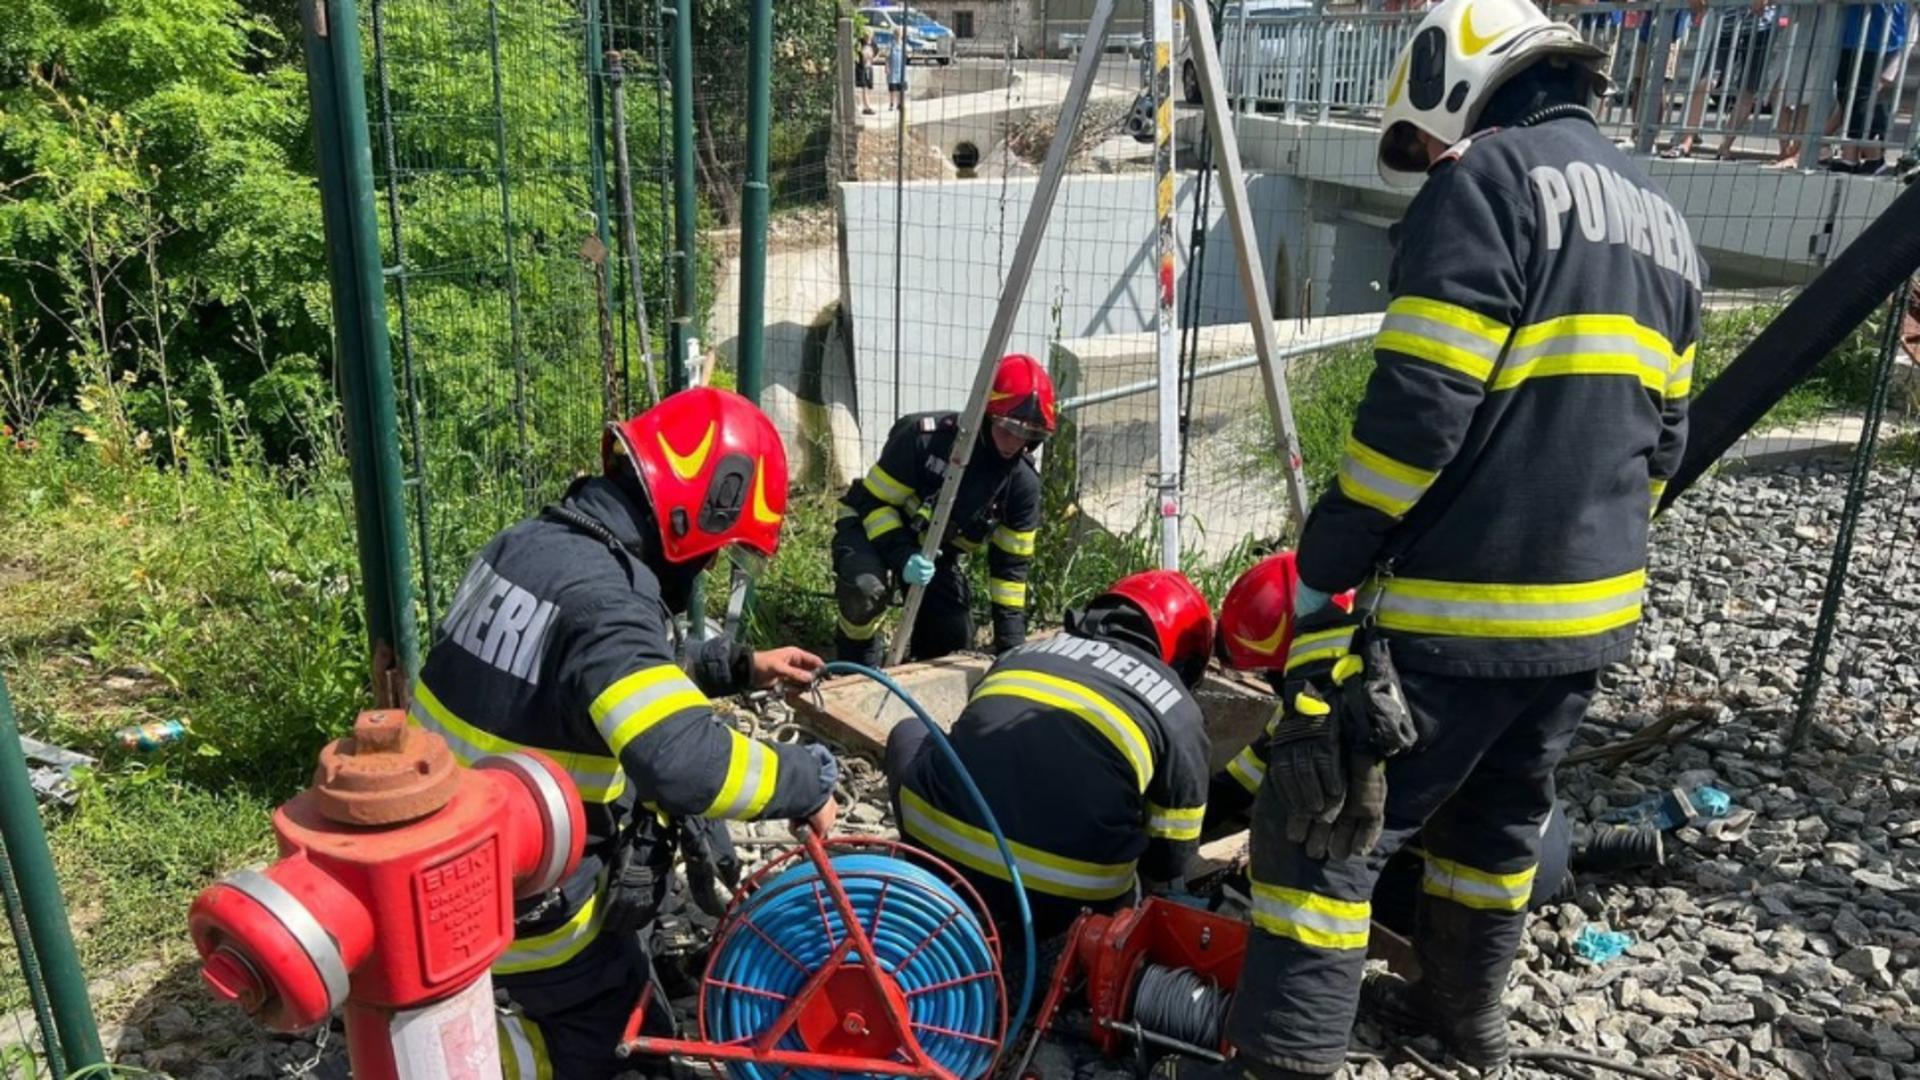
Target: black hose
1885, 254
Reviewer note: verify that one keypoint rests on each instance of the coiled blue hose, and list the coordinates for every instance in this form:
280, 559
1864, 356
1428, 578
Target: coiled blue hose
927, 938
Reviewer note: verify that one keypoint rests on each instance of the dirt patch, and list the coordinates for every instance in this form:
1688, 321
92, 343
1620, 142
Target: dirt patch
876, 154
1103, 120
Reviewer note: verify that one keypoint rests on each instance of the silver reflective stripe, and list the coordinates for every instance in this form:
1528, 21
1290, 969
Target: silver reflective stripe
1577, 344
1442, 881
1507, 611
597, 785
1435, 330
609, 724
554, 815
989, 854
1357, 472
757, 757
1325, 922
523, 1061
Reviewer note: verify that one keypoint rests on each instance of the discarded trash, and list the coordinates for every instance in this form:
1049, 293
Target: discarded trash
50, 769
1712, 801
151, 736
1599, 945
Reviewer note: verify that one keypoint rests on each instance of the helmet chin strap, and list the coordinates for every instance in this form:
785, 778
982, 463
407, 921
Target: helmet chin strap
1562, 111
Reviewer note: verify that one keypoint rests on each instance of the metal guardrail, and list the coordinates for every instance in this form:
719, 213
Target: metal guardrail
1798, 82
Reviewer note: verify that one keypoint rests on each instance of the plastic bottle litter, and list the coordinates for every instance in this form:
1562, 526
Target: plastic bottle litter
1712, 801
152, 735
1600, 945
1673, 808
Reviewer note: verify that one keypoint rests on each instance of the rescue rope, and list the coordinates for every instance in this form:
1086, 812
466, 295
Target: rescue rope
939, 737
1178, 1003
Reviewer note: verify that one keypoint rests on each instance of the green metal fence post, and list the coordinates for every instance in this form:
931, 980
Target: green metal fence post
46, 913
755, 199
683, 340
336, 91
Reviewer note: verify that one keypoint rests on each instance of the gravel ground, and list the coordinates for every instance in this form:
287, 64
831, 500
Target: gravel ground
1782, 941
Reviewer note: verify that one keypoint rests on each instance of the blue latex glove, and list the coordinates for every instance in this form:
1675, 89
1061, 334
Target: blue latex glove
919, 569
1307, 599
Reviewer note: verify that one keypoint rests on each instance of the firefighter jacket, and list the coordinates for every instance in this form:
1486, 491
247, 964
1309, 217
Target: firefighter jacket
1092, 754
998, 507
557, 640
1527, 404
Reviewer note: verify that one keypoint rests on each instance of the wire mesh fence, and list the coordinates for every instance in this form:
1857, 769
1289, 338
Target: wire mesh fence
906, 144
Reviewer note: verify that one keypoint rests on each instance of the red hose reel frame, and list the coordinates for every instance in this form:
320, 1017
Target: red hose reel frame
1109, 950
853, 1011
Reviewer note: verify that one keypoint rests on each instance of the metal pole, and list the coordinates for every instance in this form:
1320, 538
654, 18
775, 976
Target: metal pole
1253, 276
508, 243
683, 332
899, 221
1001, 331
623, 175
336, 92
1166, 247
754, 199
45, 911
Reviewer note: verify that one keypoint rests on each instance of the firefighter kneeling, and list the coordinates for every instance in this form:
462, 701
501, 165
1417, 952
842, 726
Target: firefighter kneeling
885, 514
1090, 749
1527, 403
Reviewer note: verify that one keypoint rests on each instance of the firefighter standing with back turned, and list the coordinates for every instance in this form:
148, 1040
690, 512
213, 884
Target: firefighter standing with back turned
559, 639
1090, 749
885, 514
1527, 404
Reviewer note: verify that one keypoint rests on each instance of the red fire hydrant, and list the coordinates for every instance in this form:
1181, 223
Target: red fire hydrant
392, 897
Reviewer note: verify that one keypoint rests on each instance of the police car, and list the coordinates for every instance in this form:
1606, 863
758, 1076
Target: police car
926, 39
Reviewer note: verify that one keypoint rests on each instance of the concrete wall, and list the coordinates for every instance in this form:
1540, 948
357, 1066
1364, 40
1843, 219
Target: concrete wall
1093, 275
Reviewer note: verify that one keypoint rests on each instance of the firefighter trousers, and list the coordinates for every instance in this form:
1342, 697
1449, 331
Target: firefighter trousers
1477, 788
863, 588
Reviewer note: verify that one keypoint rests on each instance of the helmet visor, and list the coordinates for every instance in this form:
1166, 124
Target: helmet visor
1027, 431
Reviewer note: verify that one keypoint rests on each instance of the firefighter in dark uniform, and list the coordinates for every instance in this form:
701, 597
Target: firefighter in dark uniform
885, 514
1527, 403
1090, 749
560, 639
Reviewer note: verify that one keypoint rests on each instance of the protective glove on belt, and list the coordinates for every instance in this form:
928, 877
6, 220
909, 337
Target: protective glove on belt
1340, 720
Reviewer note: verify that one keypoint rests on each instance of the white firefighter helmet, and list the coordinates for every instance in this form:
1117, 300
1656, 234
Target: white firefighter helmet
1460, 54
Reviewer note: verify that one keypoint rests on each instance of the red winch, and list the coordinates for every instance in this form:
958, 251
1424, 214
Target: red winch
392, 897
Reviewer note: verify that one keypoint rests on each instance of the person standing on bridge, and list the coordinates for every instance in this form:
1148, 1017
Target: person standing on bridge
884, 517
1527, 404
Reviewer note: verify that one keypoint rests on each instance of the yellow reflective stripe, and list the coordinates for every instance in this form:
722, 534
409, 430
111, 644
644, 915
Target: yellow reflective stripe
1480, 889
966, 545
1371, 478
626, 710
1013, 541
1041, 871
1465, 609
881, 522
1445, 334
558, 945
1319, 645
523, 1049
884, 487
1680, 380
1175, 823
600, 779
1007, 593
752, 769
1589, 345
1248, 769
1320, 922
860, 631
1656, 487
1106, 717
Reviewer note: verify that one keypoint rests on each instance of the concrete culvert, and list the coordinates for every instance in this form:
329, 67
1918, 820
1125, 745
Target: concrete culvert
966, 156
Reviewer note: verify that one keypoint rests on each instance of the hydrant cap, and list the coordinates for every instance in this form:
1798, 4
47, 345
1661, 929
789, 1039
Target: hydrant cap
384, 773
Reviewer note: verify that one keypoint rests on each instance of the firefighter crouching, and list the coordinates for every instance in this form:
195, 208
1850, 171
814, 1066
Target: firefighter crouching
885, 514
559, 639
1527, 404
1090, 749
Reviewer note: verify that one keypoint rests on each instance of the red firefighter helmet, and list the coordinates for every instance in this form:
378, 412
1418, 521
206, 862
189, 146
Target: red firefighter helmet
1179, 616
1256, 618
714, 469
1022, 397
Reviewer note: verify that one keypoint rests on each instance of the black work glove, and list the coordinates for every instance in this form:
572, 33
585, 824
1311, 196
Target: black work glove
1356, 828
637, 880
1304, 760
